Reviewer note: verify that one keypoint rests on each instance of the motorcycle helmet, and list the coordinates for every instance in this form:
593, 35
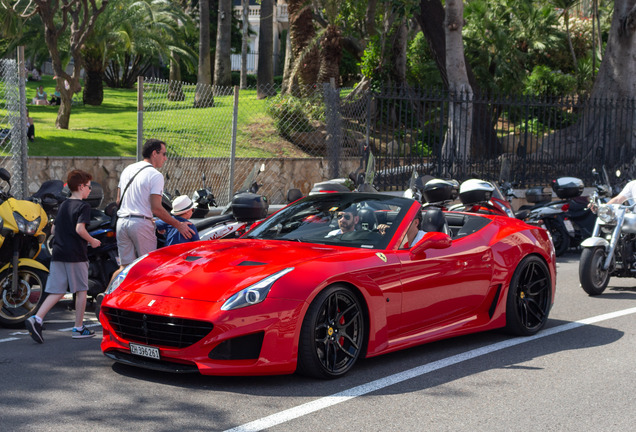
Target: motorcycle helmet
474, 191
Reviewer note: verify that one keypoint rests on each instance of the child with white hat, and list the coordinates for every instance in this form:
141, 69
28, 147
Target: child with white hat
182, 209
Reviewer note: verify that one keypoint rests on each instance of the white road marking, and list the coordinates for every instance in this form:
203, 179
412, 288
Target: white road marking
8, 339
327, 401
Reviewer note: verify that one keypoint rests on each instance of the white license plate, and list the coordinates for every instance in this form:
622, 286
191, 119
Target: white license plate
568, 225
144, 351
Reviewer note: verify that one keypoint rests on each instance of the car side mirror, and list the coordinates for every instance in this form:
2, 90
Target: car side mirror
431, 240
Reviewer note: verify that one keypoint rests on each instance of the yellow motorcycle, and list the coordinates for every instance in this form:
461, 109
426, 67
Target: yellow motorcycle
22, 278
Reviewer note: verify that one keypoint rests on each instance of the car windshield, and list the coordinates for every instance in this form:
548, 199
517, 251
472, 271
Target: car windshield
347, 219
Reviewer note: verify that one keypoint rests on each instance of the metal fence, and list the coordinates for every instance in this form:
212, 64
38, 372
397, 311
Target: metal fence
13, 142
225, 132
524, 140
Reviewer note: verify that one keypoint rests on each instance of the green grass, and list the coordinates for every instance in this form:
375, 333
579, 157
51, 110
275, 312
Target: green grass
111, 128
106, 130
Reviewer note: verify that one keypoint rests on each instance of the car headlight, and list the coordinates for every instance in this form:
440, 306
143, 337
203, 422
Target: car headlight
25, 226
606, 214
254, 293
122, 275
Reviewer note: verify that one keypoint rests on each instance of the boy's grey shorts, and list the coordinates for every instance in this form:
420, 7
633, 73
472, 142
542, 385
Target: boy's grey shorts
63, 275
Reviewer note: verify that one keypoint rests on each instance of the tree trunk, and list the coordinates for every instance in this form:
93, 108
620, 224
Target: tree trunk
265, 77
301, 33
456, 148
430, 17
203, 96
93, 88
611, 135
246, 11
223, 63
94, 73
175, 90
330, 55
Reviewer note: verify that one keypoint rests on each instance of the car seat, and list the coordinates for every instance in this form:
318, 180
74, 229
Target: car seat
433, 220
368, 221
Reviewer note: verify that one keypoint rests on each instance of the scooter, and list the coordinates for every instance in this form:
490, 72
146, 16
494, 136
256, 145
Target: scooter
22, 277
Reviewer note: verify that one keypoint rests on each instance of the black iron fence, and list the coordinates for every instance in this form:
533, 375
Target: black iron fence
525, 140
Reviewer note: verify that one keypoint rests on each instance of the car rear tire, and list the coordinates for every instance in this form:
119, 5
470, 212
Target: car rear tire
529, 297
332, 335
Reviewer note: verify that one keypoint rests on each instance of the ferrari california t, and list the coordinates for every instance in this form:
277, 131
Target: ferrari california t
324, 282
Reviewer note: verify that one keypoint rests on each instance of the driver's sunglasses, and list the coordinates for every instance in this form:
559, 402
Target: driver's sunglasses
89, 187
347, 216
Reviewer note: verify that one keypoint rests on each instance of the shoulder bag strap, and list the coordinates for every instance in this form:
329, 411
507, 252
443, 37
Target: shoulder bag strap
121, 198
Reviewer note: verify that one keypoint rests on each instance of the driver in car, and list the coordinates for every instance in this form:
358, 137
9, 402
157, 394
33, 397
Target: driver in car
347, 221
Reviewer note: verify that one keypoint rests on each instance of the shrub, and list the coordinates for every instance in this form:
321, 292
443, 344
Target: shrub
545, 82
289, 115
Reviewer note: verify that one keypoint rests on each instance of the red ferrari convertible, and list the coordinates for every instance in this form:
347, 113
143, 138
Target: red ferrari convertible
325, 281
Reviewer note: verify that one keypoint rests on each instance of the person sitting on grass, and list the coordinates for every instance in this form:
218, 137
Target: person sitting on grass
41, 98
56, 99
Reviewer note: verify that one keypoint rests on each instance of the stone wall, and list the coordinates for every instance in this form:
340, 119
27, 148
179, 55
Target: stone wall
278, 177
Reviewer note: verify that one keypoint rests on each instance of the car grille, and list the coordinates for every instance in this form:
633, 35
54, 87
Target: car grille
156, 329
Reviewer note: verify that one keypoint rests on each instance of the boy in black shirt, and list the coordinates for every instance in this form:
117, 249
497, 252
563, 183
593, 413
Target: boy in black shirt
69, 259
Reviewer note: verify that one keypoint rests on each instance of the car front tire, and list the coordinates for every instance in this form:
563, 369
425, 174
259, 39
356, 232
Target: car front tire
332, 335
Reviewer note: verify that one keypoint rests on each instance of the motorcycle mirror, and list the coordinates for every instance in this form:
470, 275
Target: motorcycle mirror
4, 174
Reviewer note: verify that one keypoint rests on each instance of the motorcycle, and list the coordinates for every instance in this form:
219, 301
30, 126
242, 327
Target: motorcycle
22, 277
246, 207
569, 219
203, 200
611, 250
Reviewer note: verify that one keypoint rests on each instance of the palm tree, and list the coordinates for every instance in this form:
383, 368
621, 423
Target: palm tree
565, 6
202, 96
265, 77
127, 39
222, 62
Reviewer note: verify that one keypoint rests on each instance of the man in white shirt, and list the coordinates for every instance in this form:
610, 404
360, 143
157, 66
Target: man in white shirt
142, 187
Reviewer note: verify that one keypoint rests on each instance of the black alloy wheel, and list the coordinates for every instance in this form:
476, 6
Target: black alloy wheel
332, 335
529, 297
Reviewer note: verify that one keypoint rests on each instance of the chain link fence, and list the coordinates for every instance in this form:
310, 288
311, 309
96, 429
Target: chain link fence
13, 144
224, 132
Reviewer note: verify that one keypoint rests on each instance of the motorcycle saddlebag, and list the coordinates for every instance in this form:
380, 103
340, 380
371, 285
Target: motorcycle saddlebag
249, 207
567, 187
535, 195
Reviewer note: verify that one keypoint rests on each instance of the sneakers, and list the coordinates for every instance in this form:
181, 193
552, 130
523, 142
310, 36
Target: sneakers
83, 333
35, 329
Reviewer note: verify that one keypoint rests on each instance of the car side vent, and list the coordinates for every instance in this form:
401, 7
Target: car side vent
252, 263
191, 258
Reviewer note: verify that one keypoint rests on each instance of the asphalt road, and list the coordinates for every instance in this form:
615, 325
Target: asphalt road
576, 375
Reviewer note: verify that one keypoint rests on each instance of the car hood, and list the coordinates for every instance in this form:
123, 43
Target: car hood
214, 270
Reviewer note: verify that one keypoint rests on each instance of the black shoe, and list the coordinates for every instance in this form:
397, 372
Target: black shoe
35, 329
83, 333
